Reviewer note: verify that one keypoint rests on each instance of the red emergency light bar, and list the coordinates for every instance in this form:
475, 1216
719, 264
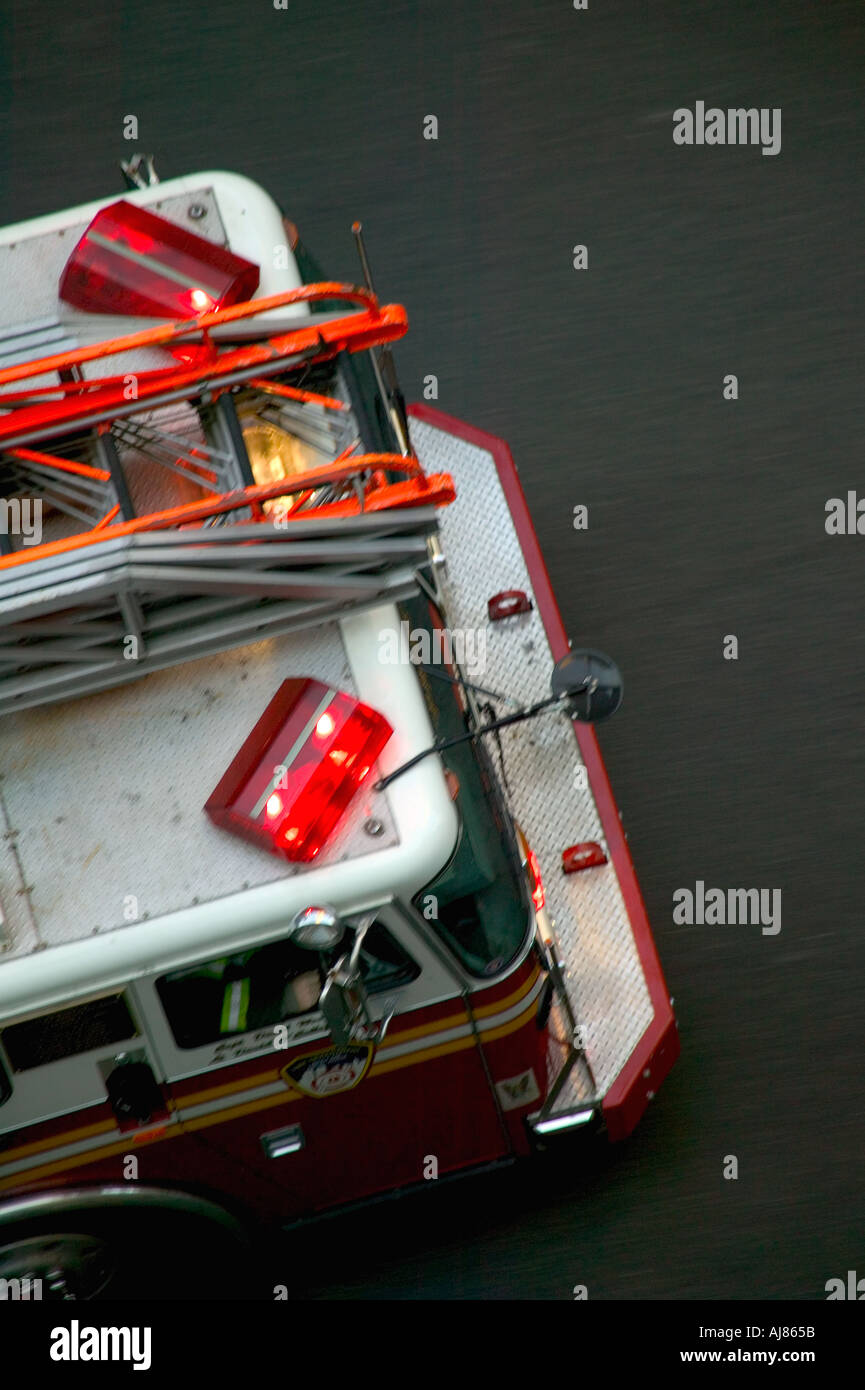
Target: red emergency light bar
299, 769
131, 261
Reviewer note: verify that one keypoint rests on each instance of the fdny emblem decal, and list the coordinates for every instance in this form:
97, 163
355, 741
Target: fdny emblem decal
326, 1073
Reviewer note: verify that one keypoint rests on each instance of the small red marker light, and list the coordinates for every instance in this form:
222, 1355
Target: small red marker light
583, 856
507, 603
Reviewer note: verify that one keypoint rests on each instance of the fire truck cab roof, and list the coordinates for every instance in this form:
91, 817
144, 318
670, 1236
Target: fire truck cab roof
109, 867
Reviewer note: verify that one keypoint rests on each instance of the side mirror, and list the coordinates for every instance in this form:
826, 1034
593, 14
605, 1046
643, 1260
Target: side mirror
344, 1004
590, 685
344, 1001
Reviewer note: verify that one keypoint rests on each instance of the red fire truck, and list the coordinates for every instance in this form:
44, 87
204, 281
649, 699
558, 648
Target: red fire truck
313, 886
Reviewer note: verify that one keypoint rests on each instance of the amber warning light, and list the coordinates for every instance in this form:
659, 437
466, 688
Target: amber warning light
298, 770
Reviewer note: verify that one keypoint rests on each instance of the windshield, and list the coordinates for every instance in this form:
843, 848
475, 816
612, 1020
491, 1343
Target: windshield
478, 904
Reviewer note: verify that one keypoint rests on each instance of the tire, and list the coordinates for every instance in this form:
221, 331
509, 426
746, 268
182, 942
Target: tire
117, 1254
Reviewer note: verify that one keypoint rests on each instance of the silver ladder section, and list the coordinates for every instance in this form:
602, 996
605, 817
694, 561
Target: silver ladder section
112, 611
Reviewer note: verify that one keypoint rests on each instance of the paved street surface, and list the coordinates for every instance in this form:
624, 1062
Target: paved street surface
706, 518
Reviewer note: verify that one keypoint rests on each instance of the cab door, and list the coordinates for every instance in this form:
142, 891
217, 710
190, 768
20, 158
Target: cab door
323, 1125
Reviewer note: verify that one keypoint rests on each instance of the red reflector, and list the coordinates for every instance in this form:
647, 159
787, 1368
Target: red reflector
584, 856
130, 261
507, 603
295, 775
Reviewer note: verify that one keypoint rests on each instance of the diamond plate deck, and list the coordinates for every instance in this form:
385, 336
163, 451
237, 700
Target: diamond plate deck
602, 965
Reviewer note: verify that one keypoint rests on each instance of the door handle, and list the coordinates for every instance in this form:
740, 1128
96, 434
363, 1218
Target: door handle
278, 1143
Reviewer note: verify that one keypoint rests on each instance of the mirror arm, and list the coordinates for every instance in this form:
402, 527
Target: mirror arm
363, 927
441, 744
380, 1027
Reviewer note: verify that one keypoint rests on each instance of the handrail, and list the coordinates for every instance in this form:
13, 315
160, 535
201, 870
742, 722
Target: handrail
432, 490
208, 370
98, 401
181, 328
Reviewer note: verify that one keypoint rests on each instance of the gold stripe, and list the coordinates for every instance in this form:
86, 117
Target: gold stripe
56, 1141
487, 1010
456, 1045
236, 1112
59, 1165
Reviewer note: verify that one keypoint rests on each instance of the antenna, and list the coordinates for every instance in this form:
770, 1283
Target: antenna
383, 366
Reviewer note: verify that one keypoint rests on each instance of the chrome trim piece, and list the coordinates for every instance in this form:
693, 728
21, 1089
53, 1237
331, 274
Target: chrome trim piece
278, 1143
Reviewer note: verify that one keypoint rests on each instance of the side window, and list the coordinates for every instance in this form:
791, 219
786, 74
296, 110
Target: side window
38, 1041
266, 986
5, 1084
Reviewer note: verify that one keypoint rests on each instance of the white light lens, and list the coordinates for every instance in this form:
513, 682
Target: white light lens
317, 929
559, 1122
319, 937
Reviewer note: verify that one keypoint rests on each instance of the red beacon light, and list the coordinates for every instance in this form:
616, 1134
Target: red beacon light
297, 772
131, 261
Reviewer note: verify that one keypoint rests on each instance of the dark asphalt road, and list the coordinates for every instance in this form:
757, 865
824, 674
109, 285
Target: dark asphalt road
706, 517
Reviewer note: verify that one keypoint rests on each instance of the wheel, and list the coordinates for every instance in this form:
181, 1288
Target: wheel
55, 1265
119, 1254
